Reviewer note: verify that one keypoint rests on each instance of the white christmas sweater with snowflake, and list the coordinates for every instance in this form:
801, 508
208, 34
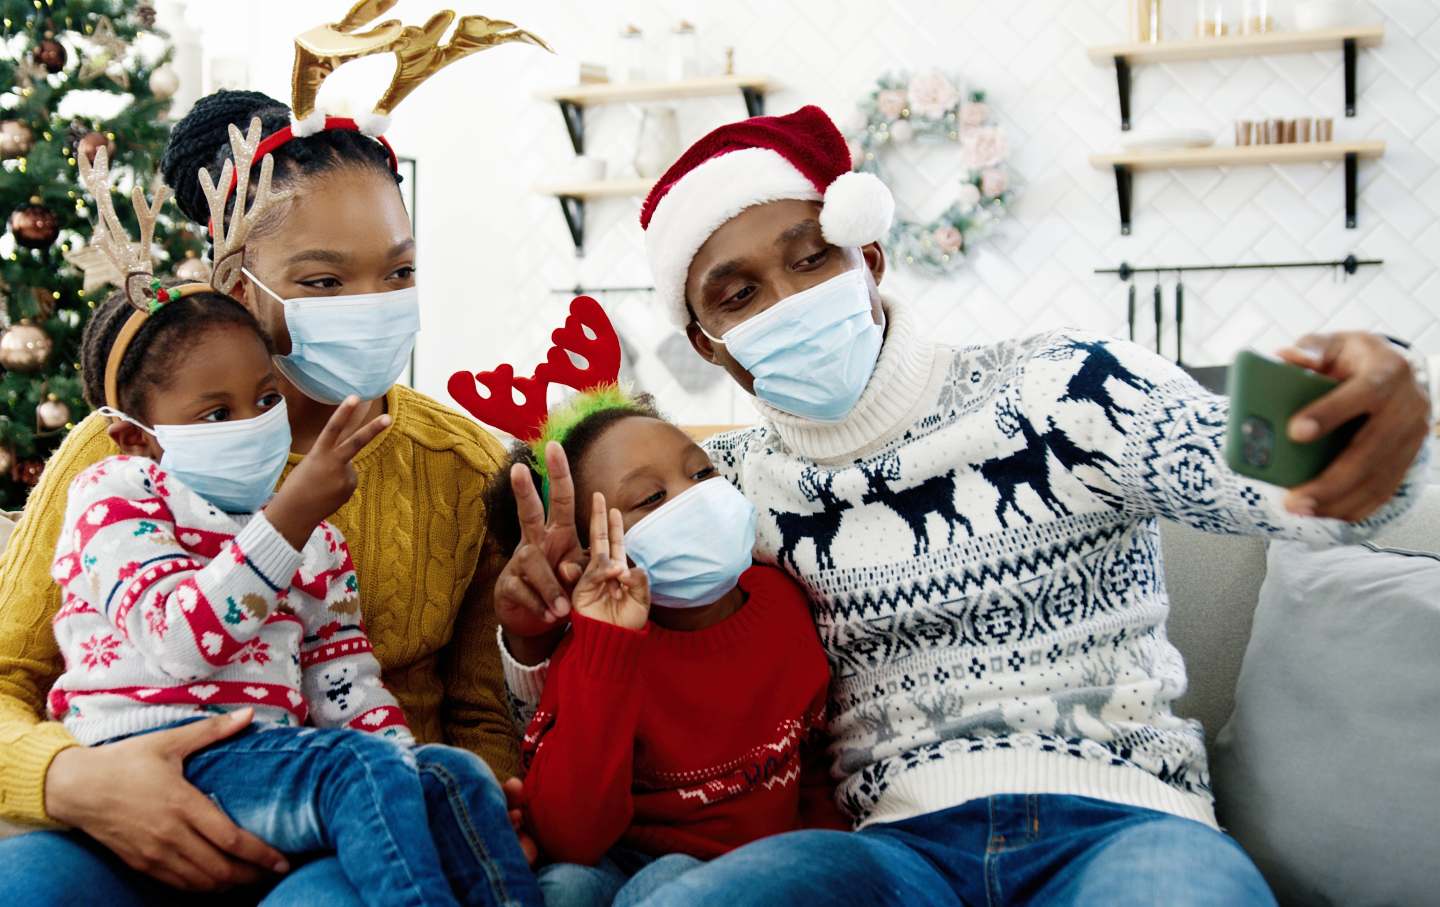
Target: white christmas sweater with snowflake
172, 609
979, 541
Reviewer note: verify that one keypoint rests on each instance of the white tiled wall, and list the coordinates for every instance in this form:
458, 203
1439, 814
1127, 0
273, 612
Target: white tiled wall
492, 250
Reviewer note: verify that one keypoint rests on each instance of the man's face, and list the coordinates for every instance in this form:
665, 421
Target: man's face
757, 258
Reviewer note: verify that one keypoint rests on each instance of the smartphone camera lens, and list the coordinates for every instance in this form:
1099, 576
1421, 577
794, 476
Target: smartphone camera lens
1258, 441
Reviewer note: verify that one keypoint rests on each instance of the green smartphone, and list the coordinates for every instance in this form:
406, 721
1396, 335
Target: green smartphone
1264, 394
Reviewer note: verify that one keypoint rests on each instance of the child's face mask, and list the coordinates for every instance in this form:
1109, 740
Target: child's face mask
233, 465
343, 345
695, 546
812, 353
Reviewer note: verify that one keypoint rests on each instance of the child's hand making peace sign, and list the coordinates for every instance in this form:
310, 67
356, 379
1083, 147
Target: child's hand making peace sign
610, 590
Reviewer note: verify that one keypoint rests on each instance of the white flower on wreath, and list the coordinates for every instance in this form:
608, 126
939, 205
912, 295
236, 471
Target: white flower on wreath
948, 239
993, 182
901, 132
931, 94
968, 197
974, 114
890, 103
985, 147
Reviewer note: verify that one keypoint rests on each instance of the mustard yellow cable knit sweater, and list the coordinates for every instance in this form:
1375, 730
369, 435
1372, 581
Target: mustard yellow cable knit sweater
416, 529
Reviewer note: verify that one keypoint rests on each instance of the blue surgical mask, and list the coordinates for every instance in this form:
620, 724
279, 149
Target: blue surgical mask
343, 345
695, 546
811, 354
233, 465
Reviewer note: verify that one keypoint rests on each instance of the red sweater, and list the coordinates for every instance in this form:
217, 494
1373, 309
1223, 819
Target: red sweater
693, 742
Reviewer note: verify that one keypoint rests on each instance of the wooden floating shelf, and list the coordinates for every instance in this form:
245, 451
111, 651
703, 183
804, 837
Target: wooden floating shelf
1238, 155
622, 92
1347, 40
617, 188
1275, 42
1125, 165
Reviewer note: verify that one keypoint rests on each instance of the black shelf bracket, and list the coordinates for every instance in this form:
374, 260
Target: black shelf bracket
1122, 78
574, 116
573, 208
754, 101
1349, 77
1124, 182
1352, 162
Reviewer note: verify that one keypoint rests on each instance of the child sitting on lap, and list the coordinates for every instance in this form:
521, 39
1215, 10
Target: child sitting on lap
181, 600
680, 717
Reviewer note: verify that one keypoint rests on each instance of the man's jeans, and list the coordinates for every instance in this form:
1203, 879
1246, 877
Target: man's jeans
423, 826
1013, 849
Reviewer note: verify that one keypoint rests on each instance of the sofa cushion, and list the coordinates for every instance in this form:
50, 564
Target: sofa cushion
1329, 770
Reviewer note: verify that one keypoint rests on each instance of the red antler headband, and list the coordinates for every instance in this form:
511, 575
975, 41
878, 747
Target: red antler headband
526, 420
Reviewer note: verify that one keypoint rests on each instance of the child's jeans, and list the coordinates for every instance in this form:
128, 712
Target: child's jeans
365, 798
623, 878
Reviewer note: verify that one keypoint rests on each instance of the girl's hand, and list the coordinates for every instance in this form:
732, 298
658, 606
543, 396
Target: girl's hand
325, 478
610, 590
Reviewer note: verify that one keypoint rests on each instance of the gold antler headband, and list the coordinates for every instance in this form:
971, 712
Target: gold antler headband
132, 260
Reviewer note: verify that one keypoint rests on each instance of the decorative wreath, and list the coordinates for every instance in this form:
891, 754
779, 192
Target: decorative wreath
929, 106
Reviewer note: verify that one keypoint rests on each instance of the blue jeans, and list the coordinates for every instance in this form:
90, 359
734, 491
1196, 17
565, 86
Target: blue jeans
623, 878
422, 826
1012, 849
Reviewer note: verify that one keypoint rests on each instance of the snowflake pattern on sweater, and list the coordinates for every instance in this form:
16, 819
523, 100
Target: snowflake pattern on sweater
173, 609
986, 573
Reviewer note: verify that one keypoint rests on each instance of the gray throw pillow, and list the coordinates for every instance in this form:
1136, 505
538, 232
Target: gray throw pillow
1328, 771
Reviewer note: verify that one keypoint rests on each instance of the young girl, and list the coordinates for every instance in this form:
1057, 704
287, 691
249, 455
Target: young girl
182, 597
680, 717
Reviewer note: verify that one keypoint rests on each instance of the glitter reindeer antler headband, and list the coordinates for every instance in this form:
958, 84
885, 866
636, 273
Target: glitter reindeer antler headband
418, 56
132, 259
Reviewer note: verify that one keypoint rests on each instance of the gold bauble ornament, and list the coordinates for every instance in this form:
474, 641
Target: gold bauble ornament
16, 139
25, 347
7, 459
35, 226
164, 82
193, 269
52, 414
92, 142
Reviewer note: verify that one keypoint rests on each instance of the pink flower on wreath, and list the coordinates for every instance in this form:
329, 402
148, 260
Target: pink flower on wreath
931, 94
974, 114
985, 147
948, 239
890, 103
993, 182
968, 197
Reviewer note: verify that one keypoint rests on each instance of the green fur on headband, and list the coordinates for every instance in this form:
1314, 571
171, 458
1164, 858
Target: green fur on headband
562, 421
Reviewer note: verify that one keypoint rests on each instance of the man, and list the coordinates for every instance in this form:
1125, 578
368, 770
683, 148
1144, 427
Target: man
976, 527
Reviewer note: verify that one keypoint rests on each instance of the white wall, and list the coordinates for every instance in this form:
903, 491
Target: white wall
491, 249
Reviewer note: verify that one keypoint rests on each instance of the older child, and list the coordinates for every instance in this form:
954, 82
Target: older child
680, 717
182, 597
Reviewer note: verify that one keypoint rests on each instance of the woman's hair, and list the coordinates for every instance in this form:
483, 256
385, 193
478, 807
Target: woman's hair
202, 139
149, 361
502, 515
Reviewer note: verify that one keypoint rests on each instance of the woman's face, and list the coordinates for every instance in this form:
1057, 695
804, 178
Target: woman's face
639, 463
342, 233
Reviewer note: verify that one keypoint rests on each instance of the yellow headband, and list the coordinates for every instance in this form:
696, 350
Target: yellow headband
132, 327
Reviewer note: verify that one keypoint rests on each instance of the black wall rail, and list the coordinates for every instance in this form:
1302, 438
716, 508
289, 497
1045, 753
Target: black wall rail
1350, 264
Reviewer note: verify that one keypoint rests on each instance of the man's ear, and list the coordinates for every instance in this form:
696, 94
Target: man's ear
874, 260
701, 343
130, 439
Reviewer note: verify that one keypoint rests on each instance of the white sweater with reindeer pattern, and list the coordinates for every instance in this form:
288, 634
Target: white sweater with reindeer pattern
979, 541
171, 609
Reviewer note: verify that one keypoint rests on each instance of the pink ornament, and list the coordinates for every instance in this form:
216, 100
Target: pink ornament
948, 239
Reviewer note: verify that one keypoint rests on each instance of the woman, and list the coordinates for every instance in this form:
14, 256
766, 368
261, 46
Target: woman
416, 527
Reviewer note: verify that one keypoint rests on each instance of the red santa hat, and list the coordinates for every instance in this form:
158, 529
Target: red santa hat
763, 159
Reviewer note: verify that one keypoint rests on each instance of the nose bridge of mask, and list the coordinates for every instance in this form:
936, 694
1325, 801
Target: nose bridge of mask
210, 430
638, 535
354, 318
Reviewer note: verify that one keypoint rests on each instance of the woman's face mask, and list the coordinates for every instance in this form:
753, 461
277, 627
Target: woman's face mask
343, 345
811, 354
233, 465
695, 546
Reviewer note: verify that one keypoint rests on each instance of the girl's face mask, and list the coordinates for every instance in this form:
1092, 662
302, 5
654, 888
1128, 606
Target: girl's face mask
233, 465
343, 345
695, 546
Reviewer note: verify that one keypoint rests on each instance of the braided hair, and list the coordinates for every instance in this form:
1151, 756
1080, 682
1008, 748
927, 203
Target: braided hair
150, 360
202, 139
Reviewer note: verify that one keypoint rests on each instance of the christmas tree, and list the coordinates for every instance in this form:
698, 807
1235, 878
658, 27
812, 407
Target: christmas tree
76, 76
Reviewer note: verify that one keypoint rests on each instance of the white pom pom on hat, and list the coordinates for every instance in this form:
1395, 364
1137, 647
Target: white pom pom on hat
797, 156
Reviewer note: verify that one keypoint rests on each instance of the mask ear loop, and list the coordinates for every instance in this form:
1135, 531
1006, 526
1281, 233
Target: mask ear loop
111, 412
255, 280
